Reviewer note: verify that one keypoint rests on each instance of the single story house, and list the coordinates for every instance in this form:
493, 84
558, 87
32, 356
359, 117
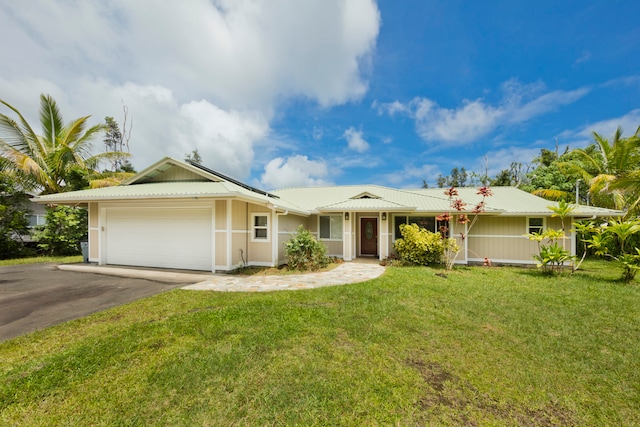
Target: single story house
177, 214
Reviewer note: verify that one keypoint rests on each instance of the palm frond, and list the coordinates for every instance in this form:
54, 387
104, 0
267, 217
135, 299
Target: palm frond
552, 194
50, 119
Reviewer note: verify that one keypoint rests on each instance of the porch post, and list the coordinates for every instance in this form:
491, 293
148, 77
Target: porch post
383, 234
346, 236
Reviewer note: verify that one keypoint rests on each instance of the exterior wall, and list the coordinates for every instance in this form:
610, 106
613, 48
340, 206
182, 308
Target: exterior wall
94, 233
499, 238
287, 226
221, 234
503, 239
260, 252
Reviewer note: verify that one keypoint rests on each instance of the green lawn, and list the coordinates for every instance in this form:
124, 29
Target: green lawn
483, 346
41, 259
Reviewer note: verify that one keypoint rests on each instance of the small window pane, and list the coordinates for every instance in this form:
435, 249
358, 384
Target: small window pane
536, 225
260, 221
325, 227
33, 220
398, 220
336, 227
261, 233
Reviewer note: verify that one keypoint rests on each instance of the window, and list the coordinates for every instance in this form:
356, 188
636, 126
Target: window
535, 225
426, 222
260, 227
35, 220
331, 227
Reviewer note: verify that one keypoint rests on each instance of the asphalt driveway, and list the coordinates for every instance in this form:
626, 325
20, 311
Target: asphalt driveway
36, 296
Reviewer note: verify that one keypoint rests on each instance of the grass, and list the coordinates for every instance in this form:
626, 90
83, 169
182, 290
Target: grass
483, 346
40, 259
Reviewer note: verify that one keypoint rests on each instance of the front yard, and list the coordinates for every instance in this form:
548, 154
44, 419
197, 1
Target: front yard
483, 346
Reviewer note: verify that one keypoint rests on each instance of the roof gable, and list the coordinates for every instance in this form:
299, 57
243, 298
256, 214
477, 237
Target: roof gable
171, 170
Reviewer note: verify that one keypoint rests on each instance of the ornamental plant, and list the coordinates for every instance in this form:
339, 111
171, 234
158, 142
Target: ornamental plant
614, 236
419, 246
304, 252
553, 255
451, 248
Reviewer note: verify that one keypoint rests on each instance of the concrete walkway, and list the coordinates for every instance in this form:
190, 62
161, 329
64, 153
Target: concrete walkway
348, 272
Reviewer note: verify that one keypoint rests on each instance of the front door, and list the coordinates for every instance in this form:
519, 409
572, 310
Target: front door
369, 236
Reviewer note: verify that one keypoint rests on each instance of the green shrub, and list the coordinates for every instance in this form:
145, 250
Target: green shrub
65, 228
419, 246
304, 252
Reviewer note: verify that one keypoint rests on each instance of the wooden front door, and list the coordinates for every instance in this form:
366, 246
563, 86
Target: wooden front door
369, 236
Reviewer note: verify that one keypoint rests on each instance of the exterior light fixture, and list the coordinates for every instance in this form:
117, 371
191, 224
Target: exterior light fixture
346, 216
384, 216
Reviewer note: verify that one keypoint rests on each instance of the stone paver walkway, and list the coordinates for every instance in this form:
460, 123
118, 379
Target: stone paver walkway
349, 272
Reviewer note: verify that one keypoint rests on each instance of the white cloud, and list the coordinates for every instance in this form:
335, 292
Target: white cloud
583, 136
355, 140
390, 108
295, 171
317, 133
464, 124
474, 119
191, 74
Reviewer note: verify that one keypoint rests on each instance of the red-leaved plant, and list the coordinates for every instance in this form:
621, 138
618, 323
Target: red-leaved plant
457, 204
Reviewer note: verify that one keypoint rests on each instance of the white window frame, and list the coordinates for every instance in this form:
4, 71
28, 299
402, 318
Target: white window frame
528, 223
329, 239
255, 227
41, 219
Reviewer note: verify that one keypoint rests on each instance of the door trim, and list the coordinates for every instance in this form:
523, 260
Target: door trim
376, 231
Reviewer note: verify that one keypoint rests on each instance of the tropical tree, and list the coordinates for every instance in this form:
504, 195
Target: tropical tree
14, 208
612, 161
46, 162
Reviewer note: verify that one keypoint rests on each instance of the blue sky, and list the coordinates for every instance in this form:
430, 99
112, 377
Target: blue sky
287, 93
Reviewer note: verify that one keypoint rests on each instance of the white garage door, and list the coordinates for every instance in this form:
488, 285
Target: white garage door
154, 237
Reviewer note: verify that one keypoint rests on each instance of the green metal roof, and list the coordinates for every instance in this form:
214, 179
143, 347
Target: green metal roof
167, 190
370, 205
308, 200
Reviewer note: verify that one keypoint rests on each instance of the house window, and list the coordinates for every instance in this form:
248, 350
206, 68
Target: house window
535, 225
35, 220
331, 227
260, 231
426, 222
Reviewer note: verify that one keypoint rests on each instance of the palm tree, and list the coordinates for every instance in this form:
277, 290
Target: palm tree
612, 160
629, 181
46, 162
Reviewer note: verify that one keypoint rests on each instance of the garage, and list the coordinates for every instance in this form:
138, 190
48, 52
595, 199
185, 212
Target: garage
160, 237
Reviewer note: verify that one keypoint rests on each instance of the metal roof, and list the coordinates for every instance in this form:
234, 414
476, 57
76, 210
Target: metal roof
504, 201
371, 205
307, 200
167, 190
